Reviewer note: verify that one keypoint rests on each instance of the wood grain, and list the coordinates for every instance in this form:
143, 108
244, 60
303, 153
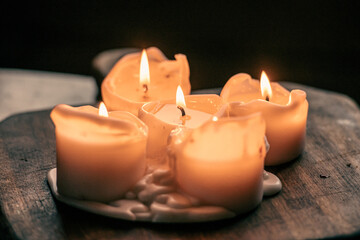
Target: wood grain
320, 199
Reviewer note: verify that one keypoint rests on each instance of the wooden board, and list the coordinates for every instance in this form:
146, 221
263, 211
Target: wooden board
320, 199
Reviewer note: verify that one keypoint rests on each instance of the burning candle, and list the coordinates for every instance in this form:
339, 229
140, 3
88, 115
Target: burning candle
163, 116
179, 114
221, 162
136, 79
100, 155
285, 113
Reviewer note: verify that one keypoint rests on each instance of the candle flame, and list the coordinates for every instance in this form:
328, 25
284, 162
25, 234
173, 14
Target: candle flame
265, 87
289, 100
102, 110
144, 71
180, 99
215, 118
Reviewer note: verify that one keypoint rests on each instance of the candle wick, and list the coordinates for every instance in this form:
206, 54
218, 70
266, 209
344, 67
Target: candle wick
183, 121
267, 98
145, 88
182, 110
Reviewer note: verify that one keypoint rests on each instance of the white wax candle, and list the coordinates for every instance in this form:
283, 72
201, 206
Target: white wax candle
221, 162
162, 117
285, 114
121, 89
98, 158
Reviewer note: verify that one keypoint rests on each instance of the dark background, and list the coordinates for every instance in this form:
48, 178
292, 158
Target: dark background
315, 43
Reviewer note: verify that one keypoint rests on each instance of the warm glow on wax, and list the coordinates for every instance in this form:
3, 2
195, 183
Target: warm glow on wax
180, 99
265, 87
102, 110
144, 71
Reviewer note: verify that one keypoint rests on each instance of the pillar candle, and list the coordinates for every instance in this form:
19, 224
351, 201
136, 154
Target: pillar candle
163, 116
221, 162
99, 158
285, 114
122, 90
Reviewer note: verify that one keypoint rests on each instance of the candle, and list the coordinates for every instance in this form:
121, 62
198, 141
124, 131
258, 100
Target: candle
136, 79
285, 113
162, 117
179, 114
101, 155
221, 162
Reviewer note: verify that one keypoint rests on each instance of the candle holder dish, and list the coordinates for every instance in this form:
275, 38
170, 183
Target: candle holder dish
155, 198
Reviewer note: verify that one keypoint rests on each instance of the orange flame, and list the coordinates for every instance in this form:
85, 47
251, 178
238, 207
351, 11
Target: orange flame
102, 110
265, 87
144, 71
180, 99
